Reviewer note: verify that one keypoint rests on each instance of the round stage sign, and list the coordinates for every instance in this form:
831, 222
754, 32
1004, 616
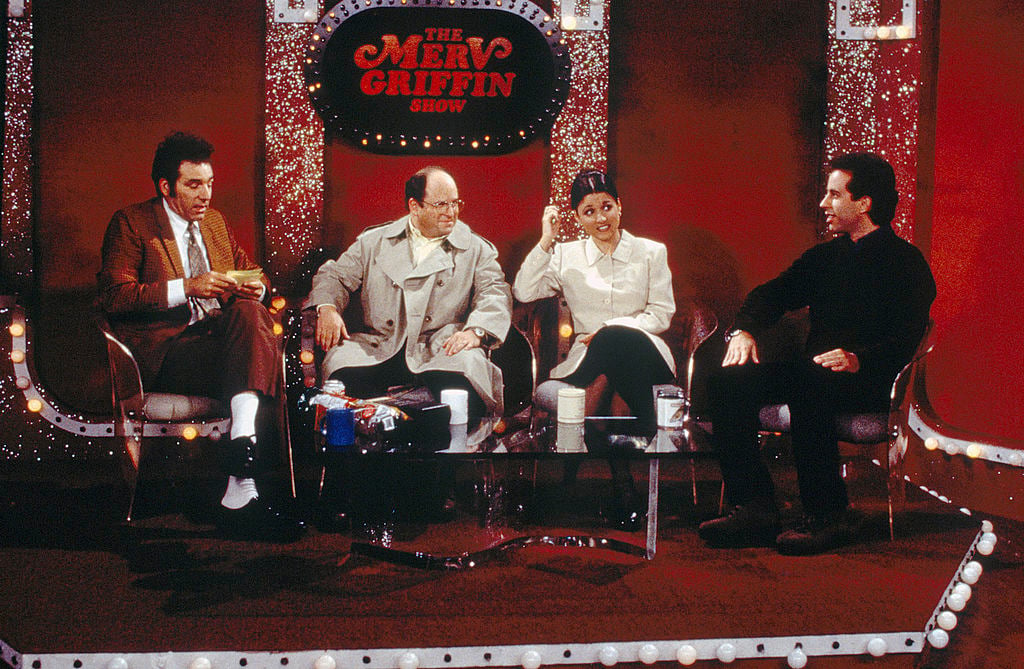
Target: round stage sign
437, 76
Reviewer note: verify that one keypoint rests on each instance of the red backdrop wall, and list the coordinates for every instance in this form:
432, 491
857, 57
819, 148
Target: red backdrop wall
977, 238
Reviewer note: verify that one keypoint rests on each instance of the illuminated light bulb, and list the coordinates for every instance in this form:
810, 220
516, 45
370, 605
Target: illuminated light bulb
200, 663
648, 653
117, 663
426, 144
903, 32
877, 647
797, 659
35, 405
325, 662
1015, 459
312, 89
365, 141
380, 137
16, 329
974, 450
278, 302
522, 133
568, 23
17, 356
946, 620
973, 570
931, 443
565, 330
402, 143
884, 32
309, 16
989, 536
986, 547
870, 33
475, 144
686, 655
316, 38
608, 656
278, 328
938, 638
189, 433
956, 602
951, 448
409, 661
306, 357
963, 590
726, 653
531, 660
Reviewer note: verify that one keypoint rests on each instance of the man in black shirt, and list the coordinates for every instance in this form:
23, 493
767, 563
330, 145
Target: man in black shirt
869, 293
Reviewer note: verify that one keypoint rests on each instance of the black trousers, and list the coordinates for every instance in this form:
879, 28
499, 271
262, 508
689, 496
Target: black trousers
815, 396
632, 365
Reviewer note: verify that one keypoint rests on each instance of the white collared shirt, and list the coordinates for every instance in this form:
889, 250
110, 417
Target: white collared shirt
421, 245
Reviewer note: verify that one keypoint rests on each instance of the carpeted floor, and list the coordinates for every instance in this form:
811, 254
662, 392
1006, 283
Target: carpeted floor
73, 578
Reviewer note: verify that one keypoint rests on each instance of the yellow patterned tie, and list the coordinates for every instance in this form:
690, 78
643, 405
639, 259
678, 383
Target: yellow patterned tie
202, 306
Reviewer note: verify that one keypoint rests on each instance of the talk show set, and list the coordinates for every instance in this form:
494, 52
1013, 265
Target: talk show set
429, 334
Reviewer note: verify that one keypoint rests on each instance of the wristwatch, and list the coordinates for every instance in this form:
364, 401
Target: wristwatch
732, 333
479, 332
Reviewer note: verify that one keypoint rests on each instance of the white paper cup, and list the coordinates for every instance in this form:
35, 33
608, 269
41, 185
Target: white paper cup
571, 402
569, 438
458, 400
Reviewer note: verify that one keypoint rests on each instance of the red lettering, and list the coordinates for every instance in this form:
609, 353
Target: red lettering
480, 57
404, 54
432, 55
398, 82
461, 79
457, 57
438, 82
372, 82
501, 83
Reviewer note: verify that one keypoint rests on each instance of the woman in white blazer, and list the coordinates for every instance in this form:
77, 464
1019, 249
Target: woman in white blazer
618, 288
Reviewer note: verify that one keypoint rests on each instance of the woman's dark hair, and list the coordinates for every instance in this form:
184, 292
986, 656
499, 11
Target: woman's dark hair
591, 181
177, 148
873, 176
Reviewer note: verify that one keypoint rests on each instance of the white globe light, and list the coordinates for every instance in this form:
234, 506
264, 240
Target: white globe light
200, 663
726, 653
797, 659
956, 602
946, 620
986, 526
972, 572
325, 662
877, 647
531, 660
986, 547
963, 590
648, 653
989, 536
117, 663
931, 443
409, 661
686, 655
609, 656
938, 638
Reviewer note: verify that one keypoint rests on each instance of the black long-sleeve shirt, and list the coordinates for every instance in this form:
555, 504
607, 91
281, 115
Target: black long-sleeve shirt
870, 297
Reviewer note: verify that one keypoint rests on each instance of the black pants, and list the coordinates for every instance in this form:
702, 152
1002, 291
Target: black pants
815, 396
632, 365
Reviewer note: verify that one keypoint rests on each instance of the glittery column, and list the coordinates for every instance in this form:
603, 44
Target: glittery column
294, 160
579, 137
873, 94
16, 225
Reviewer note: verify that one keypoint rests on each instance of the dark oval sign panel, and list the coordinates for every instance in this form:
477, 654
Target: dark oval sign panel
437, 76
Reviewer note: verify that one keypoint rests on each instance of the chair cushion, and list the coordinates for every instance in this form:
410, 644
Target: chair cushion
171, 407
856, 428
546, 395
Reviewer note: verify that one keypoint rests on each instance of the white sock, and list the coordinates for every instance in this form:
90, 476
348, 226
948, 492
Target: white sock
243, 414
239, 492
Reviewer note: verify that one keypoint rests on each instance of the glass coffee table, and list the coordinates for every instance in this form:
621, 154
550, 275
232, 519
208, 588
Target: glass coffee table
606, 437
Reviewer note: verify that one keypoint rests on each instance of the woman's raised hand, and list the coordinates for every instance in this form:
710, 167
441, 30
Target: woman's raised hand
550, 223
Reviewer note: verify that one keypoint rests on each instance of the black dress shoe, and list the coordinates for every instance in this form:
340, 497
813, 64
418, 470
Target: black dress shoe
258, 521
742, 527
820, 534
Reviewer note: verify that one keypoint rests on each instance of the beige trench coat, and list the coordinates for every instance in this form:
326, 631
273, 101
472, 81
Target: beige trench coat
459, 285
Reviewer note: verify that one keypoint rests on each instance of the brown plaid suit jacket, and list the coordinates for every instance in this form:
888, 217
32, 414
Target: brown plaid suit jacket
140, 256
